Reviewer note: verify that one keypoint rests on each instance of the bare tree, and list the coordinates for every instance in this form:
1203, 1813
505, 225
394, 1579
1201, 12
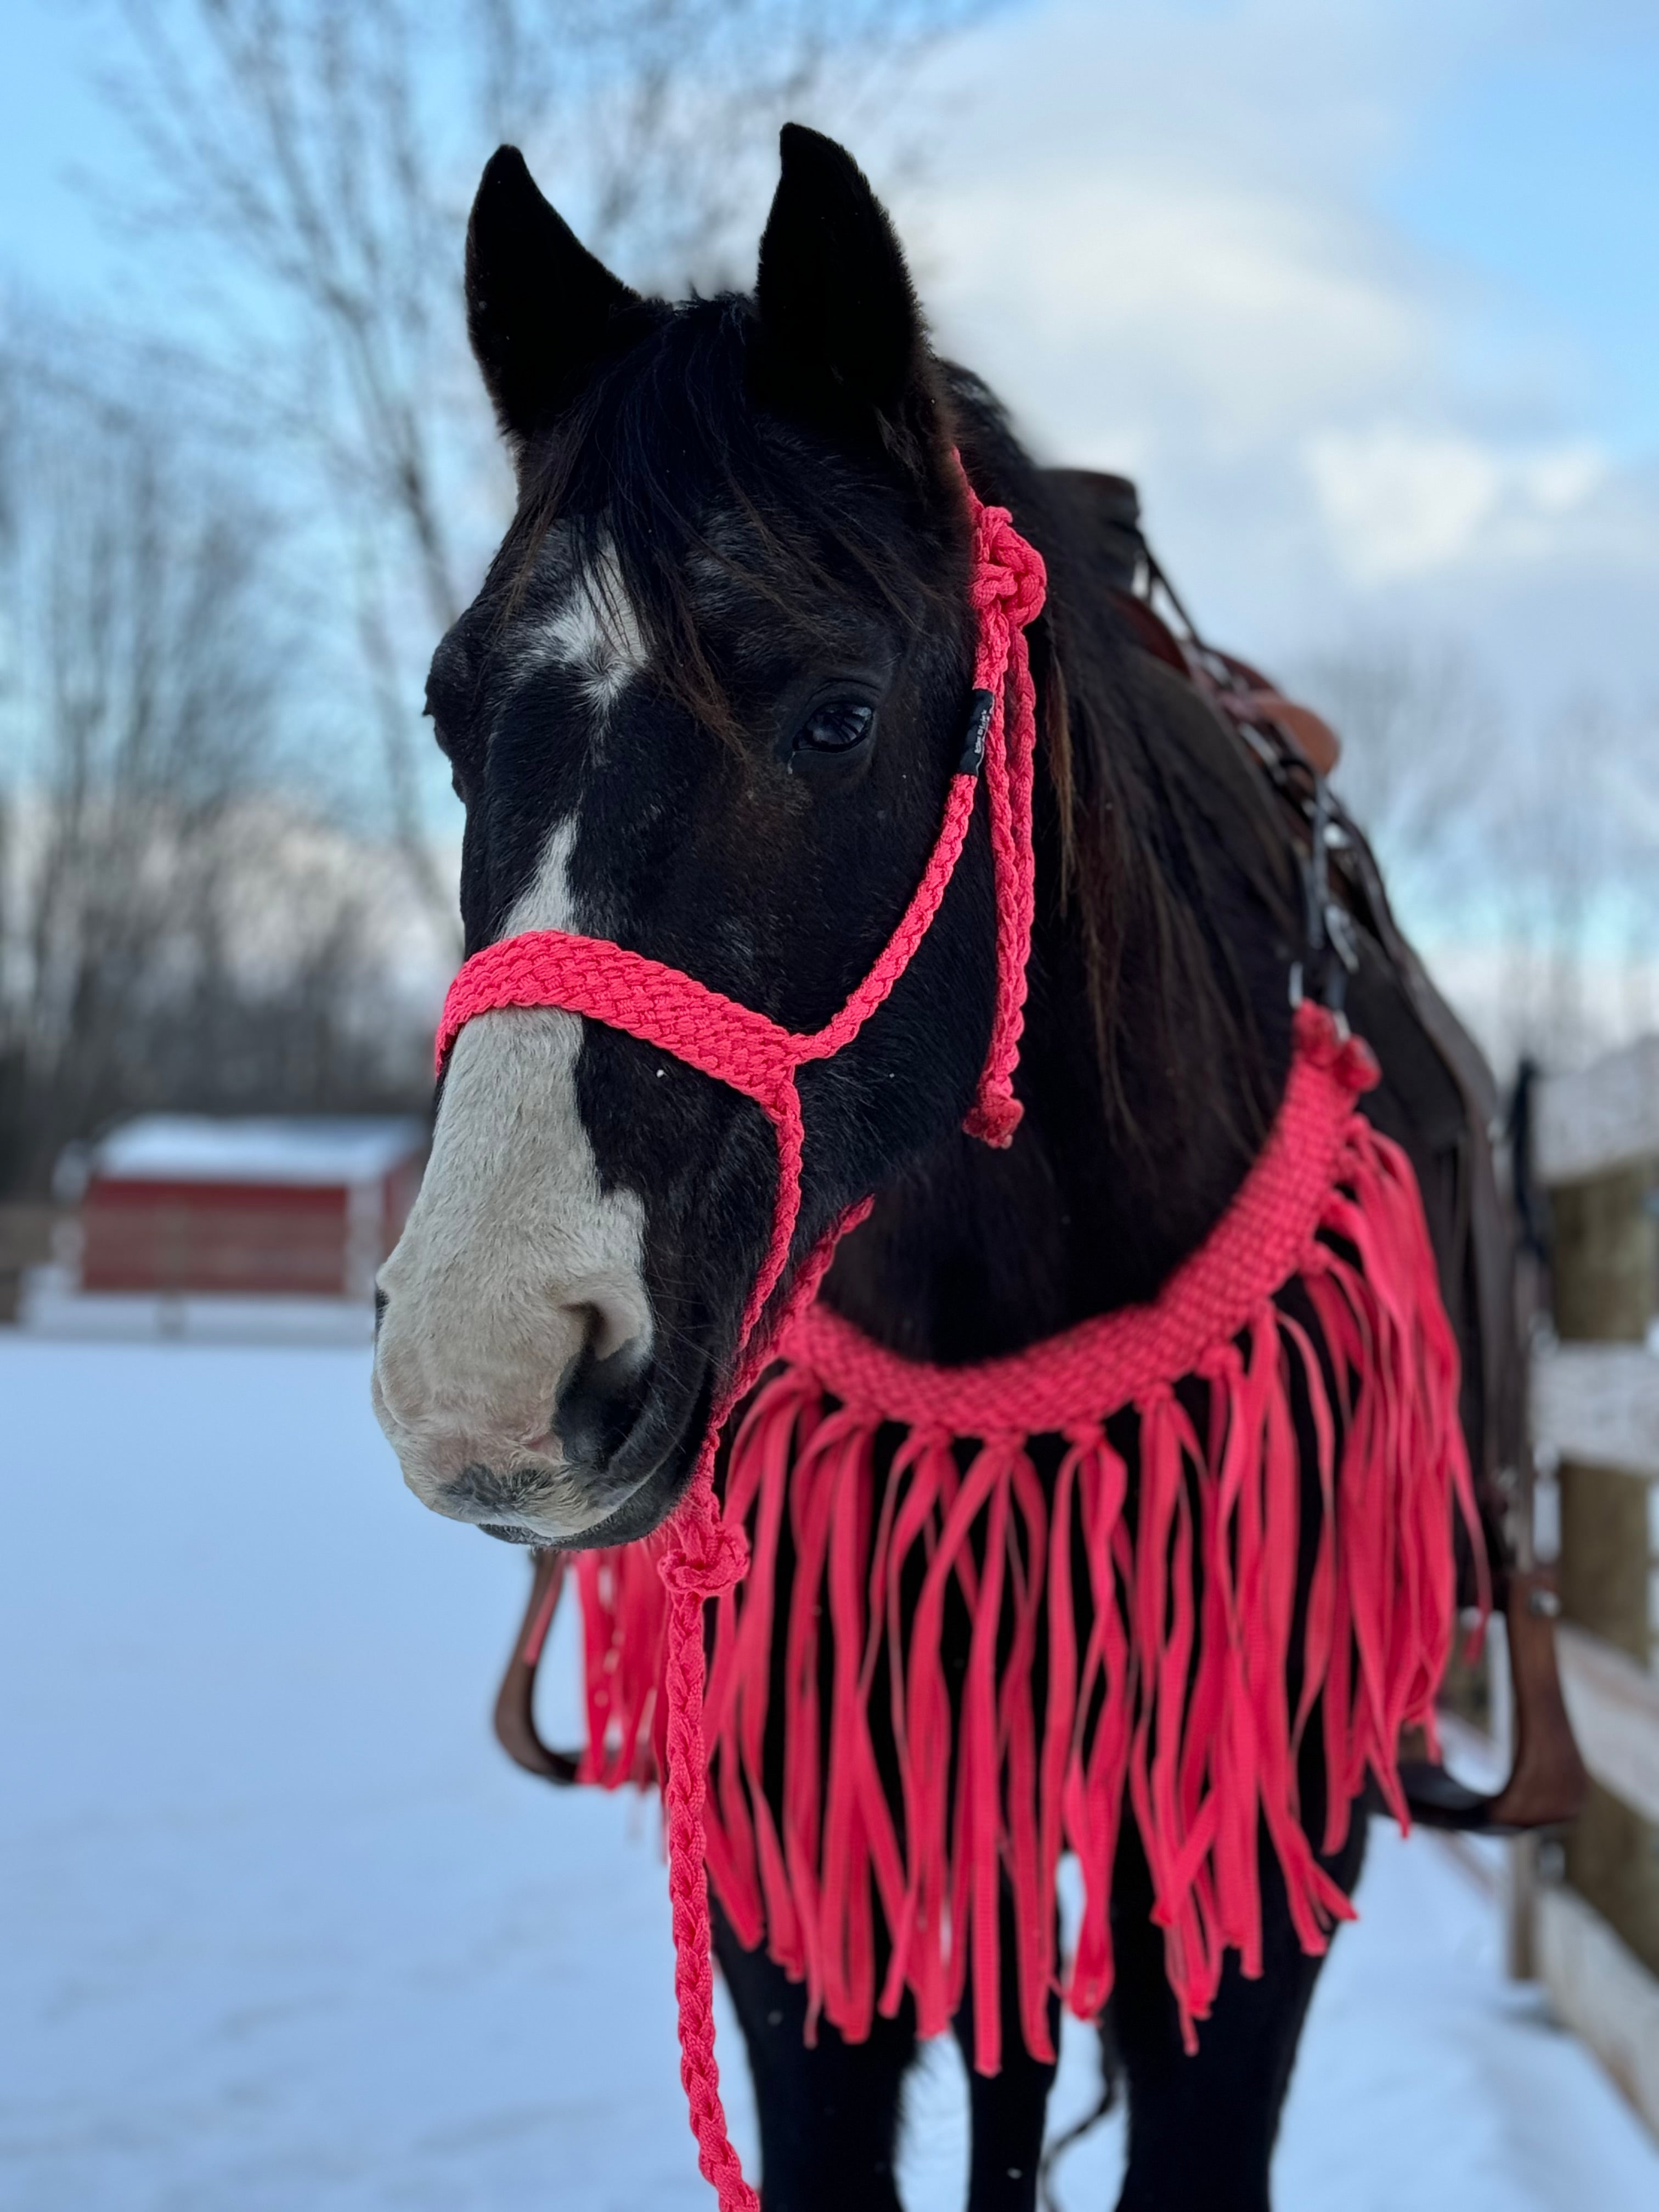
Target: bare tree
1419, 726
1524, 846
154, 924
316, 155
1574, 820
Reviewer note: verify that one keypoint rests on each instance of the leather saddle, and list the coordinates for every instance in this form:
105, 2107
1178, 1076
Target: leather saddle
1449, 1121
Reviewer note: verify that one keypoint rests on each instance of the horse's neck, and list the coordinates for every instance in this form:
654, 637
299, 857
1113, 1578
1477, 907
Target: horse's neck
973, 1252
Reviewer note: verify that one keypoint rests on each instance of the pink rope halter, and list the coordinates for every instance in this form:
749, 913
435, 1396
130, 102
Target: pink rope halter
665, 1007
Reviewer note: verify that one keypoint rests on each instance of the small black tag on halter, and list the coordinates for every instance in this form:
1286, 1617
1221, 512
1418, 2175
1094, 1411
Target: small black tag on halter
973, 745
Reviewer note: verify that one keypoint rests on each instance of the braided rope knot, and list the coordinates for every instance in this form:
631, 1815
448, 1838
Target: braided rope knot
1346, 1056
1220, 1363
711, 1556
1008, 576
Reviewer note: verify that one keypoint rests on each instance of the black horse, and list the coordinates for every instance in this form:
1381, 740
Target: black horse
707, 705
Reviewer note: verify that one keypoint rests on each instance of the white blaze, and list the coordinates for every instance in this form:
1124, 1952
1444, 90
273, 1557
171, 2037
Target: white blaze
515, 1260
595, 633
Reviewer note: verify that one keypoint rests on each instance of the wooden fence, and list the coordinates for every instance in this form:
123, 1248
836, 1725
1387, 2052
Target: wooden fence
26, 1236
1588, 1911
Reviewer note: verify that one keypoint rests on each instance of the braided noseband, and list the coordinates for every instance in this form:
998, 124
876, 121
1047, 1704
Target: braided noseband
665, 1007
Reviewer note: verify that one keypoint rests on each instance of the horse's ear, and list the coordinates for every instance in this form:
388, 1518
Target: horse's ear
840, 320
539, 307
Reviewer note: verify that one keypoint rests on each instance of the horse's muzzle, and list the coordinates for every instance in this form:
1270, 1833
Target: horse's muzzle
476, 1451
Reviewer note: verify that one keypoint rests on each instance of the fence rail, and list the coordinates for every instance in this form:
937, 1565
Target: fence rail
1615, 1708
1603, 1993
1603, 1118
1599, 1403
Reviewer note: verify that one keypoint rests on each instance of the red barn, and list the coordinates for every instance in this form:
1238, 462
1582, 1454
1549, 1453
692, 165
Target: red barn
193, 1205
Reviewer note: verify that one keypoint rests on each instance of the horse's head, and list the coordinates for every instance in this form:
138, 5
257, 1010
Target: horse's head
707, 705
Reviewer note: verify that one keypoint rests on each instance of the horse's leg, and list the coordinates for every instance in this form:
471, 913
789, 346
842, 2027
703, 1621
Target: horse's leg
1201, 2129
1006, 2110
829, 2114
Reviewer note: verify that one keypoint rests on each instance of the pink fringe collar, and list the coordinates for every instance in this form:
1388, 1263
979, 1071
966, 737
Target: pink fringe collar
1168, 1683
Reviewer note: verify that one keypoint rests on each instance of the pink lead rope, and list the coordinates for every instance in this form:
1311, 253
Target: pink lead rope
665, 1007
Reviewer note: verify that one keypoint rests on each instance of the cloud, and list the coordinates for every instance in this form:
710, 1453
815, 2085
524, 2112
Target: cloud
1160, 231
1401, 502
1181, 306
1144, 213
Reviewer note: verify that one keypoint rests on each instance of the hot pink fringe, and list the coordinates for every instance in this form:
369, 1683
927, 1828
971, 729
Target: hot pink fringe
1182, 1702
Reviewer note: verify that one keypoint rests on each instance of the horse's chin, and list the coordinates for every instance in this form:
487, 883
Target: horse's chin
645, 1507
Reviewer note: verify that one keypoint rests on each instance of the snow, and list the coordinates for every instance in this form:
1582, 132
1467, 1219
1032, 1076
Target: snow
283, 1929
53, 1304
320, 1149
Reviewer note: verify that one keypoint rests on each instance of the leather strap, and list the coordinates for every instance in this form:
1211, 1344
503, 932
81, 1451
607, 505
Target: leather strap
515, 1701
1546, 1781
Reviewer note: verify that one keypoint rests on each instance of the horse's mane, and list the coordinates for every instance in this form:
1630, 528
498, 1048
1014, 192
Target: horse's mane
1170, 845
1160, 835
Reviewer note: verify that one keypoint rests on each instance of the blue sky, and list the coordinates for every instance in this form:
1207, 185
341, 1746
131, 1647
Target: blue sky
1366, 295
50, 123
1539, 174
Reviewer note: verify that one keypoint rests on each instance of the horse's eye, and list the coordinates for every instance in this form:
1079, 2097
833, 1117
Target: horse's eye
836, 727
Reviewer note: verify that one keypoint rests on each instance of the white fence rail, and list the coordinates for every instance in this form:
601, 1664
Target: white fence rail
1603, 1993
1599, 1402
1604, 1118
1613, 1705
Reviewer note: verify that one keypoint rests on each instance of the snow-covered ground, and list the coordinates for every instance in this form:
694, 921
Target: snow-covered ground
282, 1932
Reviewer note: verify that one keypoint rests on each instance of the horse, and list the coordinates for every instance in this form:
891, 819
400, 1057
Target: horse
707, 705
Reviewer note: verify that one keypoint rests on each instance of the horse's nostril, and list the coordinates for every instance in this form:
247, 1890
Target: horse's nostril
599, 1402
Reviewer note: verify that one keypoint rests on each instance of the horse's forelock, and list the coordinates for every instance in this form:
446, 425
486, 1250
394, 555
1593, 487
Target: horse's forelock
704, 502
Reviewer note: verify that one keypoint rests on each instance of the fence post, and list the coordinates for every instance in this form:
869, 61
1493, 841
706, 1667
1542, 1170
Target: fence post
1521, 1909
1605, 1254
